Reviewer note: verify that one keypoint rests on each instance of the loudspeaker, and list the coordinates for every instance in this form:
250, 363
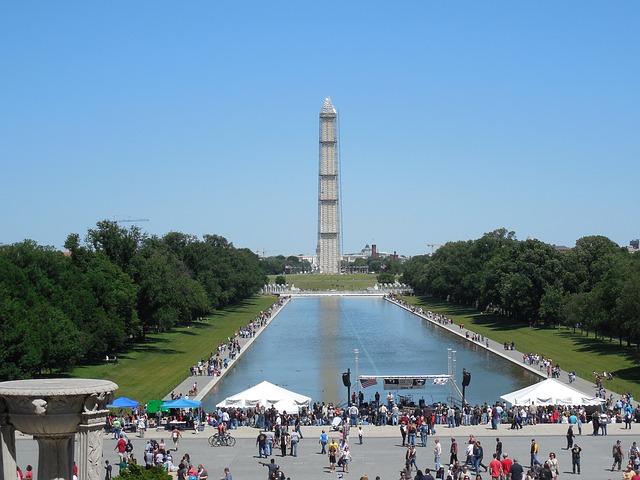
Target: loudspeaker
346, 379
466, 379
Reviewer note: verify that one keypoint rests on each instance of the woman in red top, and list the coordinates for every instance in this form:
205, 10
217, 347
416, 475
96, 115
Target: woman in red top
29, 475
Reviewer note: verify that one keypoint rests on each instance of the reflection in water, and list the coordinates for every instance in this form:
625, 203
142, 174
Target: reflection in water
329, 311
312, 341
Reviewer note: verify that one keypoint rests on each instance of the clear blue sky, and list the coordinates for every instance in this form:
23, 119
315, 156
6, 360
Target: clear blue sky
456, 118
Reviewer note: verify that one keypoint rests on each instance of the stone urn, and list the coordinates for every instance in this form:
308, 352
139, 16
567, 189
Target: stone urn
53, 411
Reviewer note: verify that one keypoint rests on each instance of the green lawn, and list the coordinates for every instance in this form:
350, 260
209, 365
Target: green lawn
573, 351
356, 281
150, 370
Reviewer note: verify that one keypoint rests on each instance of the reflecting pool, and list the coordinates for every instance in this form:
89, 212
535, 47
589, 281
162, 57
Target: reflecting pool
311, 342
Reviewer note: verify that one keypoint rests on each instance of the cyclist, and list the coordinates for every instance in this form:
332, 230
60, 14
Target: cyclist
222, 429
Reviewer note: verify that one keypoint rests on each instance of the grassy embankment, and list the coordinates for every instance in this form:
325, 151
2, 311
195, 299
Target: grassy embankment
150, 370
573, 351
356, 281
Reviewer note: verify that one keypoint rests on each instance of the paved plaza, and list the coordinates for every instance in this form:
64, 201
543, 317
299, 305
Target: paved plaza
381, 453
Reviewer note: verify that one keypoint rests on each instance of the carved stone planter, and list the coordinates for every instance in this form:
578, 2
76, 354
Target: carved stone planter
53, 411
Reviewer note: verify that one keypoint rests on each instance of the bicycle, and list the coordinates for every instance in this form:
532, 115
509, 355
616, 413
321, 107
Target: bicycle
224, 440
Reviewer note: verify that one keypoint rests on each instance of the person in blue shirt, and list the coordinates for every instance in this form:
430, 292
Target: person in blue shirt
323, 442
628, 415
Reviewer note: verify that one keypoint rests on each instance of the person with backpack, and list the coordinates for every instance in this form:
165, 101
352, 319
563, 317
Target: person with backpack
618, 455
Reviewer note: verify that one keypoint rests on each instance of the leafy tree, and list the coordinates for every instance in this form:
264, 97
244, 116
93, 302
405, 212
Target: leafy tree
168, 295
628, 305
551, 304
576, 310
386, 277
517, 278
136, 472
590, 259
273, 265
119, 244
280, 280
57, 309
37, 333
55, 339
413, 272
296, 265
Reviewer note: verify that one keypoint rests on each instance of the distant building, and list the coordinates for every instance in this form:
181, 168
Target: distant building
561, 248
372, 252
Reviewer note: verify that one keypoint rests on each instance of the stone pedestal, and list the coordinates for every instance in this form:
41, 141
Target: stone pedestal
7, 446
53, 411
90, 440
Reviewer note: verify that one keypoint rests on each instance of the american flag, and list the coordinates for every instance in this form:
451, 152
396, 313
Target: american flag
368, 382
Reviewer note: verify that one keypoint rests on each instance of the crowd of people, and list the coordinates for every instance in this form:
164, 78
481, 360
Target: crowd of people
436, 317
218, 360
467, 462
159, 455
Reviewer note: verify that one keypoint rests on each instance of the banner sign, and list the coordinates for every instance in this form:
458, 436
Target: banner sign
403, 383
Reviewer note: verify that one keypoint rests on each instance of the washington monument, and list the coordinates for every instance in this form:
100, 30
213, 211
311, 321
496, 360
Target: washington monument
328, 250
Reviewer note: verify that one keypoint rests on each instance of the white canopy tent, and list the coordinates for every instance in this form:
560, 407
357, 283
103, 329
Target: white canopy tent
550, 392
269, 395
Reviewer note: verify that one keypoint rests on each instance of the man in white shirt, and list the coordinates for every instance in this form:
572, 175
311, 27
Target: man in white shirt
382, 415
469, 453
437, 451
353, 414
226, 418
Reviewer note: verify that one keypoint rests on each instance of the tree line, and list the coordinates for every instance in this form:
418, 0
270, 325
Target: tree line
592, 287
109, 290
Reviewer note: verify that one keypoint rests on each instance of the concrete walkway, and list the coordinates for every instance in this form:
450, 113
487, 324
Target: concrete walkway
381, 454
205, 382
585, 386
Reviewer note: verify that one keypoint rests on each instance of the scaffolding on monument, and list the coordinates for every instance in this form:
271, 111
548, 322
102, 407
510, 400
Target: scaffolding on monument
329, 249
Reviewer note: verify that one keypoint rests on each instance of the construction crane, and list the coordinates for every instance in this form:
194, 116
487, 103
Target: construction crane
432, 245
128, 219
263, 251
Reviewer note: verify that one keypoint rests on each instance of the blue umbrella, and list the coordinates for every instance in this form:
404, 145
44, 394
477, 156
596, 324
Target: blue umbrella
182, 403
123, 402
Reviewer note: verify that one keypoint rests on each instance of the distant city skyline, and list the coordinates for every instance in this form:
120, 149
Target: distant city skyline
455, 120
